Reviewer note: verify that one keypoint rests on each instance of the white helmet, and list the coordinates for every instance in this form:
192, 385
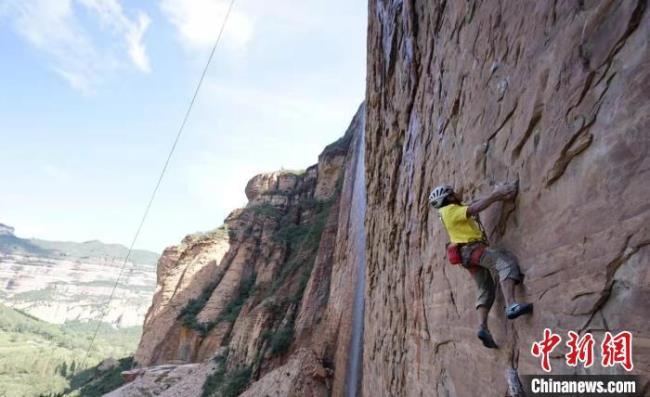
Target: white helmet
438, 195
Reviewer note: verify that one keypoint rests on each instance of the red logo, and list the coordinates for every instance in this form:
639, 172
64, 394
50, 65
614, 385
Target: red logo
615, 349
545, 347
581, 349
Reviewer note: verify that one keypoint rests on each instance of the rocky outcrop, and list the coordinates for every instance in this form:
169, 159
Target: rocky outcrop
170, 380
265, 299
303, 375
184, 271
552, 94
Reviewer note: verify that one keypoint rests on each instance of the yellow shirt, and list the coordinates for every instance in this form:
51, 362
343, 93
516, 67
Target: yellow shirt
460, 227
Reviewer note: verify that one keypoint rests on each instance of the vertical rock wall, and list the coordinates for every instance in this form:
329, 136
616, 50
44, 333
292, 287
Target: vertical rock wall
554, 94
267, 298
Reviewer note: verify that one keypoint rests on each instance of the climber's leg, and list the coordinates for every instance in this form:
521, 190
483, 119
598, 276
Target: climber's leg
482, 313
484, 289
508, 287
509, 275
486, 337
484, 300
483, 332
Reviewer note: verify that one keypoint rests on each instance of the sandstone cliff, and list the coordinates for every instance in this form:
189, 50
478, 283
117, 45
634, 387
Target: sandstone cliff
265, 299
554, 94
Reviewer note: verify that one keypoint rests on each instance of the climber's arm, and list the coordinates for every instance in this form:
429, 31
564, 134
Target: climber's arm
503, 192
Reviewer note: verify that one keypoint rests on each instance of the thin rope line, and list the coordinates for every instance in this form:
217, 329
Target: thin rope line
160, 178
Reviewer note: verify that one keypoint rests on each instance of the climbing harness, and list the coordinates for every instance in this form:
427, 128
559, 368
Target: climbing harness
453, 250
453, 254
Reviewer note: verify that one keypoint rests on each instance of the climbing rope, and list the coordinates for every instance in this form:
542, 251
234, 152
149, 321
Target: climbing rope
158, 183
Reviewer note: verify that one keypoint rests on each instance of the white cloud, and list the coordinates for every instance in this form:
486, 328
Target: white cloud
55, 28
137, 50
198, 23
111, 15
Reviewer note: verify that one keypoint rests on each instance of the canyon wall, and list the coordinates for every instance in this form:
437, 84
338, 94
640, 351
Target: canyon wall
553, 94
263, 302
59, 281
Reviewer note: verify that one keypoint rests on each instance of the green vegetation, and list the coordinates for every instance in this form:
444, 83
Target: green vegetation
229, 314
277, 192
267, 210
281, 340
50, 293
194, 307
222, 232
303, 241
215, 379
227, 384
45, 294
231, 311
95, 383
340, 146
37, 357
237, 382
224, 383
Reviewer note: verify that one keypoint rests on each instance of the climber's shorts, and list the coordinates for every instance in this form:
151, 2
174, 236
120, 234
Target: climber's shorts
500, 261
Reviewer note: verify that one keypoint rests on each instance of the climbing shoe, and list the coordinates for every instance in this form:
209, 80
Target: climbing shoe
517, 309
486, 337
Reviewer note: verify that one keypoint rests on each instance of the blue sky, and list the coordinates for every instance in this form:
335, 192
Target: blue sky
93, 92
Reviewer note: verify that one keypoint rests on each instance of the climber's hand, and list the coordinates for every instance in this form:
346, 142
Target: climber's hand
503, 192
507, 191
510, 196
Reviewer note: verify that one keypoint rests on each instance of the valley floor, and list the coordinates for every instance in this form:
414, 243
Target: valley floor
38, 358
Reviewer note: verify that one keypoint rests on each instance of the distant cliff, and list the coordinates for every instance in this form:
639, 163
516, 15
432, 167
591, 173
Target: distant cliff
262, 303
554, 94
6, 230
60, 281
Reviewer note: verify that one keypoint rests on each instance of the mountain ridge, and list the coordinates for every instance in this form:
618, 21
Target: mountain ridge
12, 244
59, 281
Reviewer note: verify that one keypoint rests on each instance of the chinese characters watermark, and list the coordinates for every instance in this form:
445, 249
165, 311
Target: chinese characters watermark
615, 349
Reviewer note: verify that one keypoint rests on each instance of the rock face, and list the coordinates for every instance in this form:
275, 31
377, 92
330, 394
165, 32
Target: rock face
552, 94
302, 376
165, 381
184, 271
265, 299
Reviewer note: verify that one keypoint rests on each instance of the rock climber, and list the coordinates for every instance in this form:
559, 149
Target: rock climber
469, 246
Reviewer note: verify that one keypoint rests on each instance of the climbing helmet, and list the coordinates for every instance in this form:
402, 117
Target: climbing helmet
437, 195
